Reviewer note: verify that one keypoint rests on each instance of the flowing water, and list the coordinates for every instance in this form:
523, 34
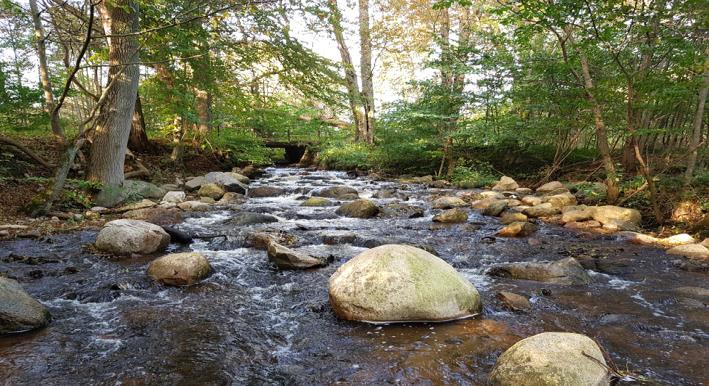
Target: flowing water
249, 323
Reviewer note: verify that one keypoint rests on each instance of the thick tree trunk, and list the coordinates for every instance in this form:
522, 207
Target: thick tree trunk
44, 72
353, 95
697, 126
113, 125
601, 135
138, 139
366, 71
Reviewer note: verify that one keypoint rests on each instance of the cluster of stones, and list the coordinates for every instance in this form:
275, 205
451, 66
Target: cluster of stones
554, 202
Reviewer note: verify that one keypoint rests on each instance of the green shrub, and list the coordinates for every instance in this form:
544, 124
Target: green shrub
347, 156
473, 175
243, 146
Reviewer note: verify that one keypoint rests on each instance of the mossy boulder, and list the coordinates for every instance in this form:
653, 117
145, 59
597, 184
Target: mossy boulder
358, 208
400, 283
551, 359
316, 201
211, 190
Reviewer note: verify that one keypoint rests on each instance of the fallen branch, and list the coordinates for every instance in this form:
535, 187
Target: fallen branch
24, 149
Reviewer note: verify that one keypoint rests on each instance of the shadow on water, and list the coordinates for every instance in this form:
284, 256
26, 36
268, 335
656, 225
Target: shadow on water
248, 323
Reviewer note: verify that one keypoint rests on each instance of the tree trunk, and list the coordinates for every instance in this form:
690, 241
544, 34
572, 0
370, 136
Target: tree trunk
203, 103
601, 135
44, 72
138, 139
696, 138
353, 94
113, 125
366, 71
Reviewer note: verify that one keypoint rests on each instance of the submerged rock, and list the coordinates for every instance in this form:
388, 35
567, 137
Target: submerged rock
18, 310
180, 269
514, 301
286, 258
266, 191
448, 202
451, 216
397, 209
397, 283
358, 208
565, 271
337, 192
251, 218
125, 237
551, 358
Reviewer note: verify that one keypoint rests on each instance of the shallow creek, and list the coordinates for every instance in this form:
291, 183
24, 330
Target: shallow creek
251, 324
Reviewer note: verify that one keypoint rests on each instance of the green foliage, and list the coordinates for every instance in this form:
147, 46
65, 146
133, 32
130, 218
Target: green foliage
347, 156
243, 146
474, 175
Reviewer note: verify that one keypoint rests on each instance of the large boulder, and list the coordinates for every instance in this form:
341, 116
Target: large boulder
358, 208
286, 258
400, 283
561, 200
551, 188
250, 218
551, 358
240, 177
398, 209
131, 190
226, 180
180, 268
448, 202
494, 208
505, 184
542, 210
125, 237
337, 192
610, 214
211, 190
576, 213
18, 310
266, 191
451, 216
565, 271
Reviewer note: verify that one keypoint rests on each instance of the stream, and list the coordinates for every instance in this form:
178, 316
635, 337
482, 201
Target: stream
249, 323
